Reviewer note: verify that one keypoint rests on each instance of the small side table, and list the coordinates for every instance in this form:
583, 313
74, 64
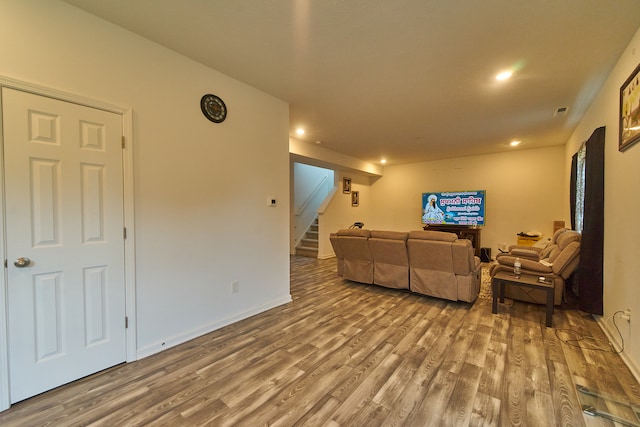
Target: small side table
502, 278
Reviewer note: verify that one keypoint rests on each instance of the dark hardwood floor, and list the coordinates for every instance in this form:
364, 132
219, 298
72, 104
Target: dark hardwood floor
347, 354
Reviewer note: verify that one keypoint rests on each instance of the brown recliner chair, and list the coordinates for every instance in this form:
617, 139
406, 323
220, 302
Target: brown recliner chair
390, 259
560, 262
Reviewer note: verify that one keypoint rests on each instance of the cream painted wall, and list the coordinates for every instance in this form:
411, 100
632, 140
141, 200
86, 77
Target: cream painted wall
338, 212
622, 204
200, 188
524, 192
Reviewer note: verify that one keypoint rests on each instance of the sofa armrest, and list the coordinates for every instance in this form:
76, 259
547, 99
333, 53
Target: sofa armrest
525, 247
527, 265
525, 253
535, 267
522, 251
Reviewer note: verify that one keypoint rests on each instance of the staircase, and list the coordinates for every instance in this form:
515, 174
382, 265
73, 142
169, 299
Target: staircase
308, 245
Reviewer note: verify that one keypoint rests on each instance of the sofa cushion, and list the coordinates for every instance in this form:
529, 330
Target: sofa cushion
564, 240
553, 254
567, 261
558, 232
547, 251
568, 237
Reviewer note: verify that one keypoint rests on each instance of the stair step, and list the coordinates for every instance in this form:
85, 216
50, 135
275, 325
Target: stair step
309, 243
308, 252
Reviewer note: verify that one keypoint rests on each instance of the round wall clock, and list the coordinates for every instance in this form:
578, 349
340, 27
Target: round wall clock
213, 108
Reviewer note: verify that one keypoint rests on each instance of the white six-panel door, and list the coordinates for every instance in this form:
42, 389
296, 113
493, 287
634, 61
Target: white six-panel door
65, 244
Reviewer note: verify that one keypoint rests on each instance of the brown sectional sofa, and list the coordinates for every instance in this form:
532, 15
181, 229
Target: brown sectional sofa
432, 263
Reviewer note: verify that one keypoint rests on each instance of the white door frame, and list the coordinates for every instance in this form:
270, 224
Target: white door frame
129, 242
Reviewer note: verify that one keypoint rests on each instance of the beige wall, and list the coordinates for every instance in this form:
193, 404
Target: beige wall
622, 204
200, 188
338, 212
524, 191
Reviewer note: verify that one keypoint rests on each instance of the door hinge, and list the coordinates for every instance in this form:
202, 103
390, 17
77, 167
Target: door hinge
126, 322
6, 265
123, 142
124, 232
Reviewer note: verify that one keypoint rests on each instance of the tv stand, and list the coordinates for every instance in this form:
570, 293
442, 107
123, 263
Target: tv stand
462, 232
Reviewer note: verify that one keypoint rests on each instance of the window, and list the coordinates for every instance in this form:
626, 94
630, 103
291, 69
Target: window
580, 180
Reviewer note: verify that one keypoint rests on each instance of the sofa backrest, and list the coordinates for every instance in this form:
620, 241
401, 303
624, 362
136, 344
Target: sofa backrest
358, 262
390, 258
389, 247
431, 269
566, 258
557, 234
553, 243
431, 249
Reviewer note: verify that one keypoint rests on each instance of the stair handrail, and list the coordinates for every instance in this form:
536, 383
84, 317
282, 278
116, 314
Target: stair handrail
311, 196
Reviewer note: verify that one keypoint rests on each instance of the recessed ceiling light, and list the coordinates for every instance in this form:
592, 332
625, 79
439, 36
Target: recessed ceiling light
383, 161
300, 131
504, 75
515, 143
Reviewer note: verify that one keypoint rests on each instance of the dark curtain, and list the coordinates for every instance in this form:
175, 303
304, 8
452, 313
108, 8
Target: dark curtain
590, 274
572, 189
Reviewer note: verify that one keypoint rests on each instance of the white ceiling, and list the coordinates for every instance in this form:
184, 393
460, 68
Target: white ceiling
408, 80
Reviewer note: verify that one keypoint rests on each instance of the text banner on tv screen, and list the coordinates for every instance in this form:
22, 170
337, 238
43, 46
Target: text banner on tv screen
454, 208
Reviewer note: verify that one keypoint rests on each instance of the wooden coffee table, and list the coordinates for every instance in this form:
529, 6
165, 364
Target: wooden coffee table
502, 278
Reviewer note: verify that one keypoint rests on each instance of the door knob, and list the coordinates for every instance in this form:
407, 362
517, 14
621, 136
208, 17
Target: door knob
22, 262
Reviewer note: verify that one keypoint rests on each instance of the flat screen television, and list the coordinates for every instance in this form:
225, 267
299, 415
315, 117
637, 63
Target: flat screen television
454, 208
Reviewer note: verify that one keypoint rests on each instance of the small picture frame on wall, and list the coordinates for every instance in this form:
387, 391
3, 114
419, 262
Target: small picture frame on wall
630, 111
355, 198
346, 185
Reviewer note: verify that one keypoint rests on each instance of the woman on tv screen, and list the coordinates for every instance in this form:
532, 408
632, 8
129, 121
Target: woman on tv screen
432, 213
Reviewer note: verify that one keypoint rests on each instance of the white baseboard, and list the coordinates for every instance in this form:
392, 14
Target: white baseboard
182, 338
635, 371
